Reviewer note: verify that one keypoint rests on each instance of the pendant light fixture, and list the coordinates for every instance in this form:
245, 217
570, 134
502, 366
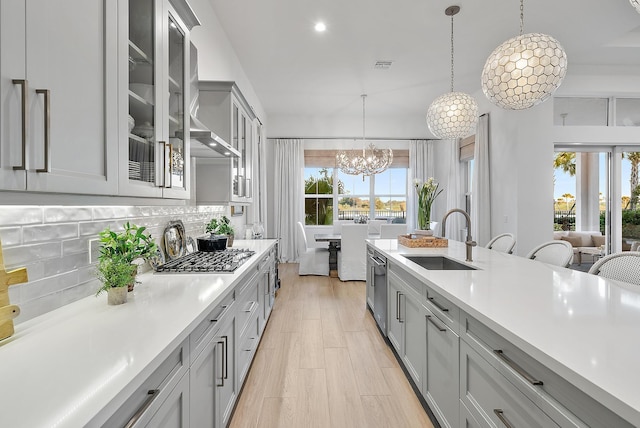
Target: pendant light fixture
636, 4
525, 70
368, 161
454, 114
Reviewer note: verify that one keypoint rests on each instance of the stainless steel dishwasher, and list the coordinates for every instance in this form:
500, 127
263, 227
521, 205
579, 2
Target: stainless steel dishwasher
378, 272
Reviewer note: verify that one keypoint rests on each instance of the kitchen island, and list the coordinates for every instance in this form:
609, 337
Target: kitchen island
78, 365
579, 329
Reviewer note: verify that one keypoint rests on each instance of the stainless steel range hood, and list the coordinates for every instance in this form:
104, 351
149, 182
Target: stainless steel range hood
203, 142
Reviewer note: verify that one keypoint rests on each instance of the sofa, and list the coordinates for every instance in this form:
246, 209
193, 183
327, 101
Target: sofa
583, 242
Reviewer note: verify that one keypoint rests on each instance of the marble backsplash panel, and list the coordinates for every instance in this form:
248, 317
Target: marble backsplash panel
57, 245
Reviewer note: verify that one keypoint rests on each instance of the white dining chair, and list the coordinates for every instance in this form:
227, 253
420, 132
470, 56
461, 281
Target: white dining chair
312, 261
623, 266
391, 231
556, 252
374, 226
503, 243
337, 225
352, 258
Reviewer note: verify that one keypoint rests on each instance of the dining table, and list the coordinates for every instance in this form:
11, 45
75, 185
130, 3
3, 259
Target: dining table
334, 240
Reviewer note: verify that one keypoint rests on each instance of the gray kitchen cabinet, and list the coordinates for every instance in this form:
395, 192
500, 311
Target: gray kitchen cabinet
394, 323
225, 111
442, 370
58, 96
174, 412
154, 98
212, 381
160, 397
370, 278
492, 398
407, 330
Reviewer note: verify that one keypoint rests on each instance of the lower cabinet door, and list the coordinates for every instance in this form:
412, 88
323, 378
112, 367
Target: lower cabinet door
394, 316
226, 391
174, 412
467, 419
415, 342
492, 399
442, 371
213, 385
204, 375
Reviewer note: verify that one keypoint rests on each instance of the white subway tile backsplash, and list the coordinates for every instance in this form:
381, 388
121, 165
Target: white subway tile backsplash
67, 214
18, 256
49, 232
10, 236
53, 243
20, 215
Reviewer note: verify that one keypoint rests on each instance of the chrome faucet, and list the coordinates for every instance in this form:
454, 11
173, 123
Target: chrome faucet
470, 243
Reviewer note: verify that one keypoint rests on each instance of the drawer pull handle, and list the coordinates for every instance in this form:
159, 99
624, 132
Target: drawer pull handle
224, 310
253, 305
23, 84
47, 127
438, 305
398, 305
152, 395
222, 369
429, 318
517, 368
500, 414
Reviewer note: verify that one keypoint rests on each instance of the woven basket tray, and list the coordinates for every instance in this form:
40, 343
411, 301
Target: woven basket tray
414, 241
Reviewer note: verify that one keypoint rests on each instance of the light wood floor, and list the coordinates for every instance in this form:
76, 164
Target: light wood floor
322, 363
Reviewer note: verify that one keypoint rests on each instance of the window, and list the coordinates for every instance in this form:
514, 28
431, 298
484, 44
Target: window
318, 193
383, 196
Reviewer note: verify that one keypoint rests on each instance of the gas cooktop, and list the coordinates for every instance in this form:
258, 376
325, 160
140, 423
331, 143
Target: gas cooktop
224, 261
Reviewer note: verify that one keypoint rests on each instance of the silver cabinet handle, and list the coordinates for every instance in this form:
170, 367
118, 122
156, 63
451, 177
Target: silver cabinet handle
430, 319
226, 357
47, 127
500, 414
168, 164
253, 305
24, 85
153, 394
398, 305
224, 311
508, 361
222, 368
438, 305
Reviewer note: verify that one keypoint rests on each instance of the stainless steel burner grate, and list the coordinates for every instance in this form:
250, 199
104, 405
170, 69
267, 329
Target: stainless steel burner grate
225, 261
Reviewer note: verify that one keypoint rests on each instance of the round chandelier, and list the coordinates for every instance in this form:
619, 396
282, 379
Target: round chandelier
454, 114
525, 70
368, 161
636, 4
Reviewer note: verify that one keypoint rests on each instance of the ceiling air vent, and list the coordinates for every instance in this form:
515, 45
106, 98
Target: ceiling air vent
382, 65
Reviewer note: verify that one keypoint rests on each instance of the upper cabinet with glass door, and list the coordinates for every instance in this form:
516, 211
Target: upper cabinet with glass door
153, 161
225, 110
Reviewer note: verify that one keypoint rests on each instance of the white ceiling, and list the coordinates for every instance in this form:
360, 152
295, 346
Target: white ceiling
298, 72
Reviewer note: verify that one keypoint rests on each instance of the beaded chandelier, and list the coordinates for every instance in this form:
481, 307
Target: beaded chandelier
525, 70
636, 4
368, 161
454, 114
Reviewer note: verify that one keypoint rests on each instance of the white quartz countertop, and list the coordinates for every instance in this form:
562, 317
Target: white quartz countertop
67, 368
583, 327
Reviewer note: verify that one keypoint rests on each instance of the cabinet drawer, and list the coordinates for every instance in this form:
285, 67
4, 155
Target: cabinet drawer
248, 304
149, 396
492, 399
247, 345
207, 328
414, 283
563, 402
442, 307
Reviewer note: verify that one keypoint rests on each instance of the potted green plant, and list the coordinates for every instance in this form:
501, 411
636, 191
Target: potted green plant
124, 247
116, 274
221, 226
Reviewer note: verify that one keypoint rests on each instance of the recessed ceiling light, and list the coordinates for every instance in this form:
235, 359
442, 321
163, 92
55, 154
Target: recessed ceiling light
320, 27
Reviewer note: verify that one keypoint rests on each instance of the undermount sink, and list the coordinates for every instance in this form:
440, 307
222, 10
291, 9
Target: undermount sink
437, 263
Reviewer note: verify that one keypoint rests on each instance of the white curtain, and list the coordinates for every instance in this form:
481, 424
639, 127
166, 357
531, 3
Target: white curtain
454, 191
289, 202
420, 167
481, 185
